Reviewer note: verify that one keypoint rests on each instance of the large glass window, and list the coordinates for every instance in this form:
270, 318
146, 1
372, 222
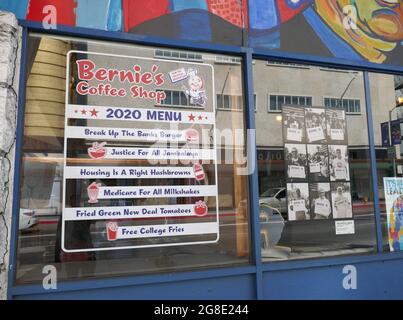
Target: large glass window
387, 110
115, 181
315, 193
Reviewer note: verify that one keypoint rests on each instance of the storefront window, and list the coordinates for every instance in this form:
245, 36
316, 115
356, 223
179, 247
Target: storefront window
130, 167
387, 109
315, 194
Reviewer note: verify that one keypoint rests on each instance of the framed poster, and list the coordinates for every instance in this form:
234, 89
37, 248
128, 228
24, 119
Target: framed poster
321, 207
118, 133
296, 161
298, 201
338, 163
336, 126
341, 200
293, 124
315, 123
318, 162
394, 211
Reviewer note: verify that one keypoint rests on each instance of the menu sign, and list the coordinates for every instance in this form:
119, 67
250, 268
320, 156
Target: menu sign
138, 174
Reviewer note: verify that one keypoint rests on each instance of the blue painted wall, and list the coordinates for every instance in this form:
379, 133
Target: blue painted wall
375, 280
232, 287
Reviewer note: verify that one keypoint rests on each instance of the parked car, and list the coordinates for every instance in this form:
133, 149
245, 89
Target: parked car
275, 198
27, 219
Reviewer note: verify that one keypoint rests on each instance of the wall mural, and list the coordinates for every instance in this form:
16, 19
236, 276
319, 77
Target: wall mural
370, 30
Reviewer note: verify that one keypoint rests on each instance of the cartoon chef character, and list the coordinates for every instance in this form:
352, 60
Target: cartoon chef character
195, 90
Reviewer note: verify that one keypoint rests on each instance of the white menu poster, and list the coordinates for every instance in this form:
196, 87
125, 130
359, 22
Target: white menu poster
126, 156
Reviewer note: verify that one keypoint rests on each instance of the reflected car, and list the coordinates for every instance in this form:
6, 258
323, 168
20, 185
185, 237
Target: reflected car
27, 219
275, 198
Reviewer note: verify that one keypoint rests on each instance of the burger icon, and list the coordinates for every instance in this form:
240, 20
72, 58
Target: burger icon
192, 135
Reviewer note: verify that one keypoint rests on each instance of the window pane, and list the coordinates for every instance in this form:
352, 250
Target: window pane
94, 203
287, 99
219, 101
227, 104
334, 103
175, 98
357, 106
345, 105
273, 103
183, 99
312, 181
389, 158
281, 100
351, 105
239, 102
168, 99
233, 102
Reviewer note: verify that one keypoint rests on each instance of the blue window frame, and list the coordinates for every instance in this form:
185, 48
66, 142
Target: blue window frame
258, 268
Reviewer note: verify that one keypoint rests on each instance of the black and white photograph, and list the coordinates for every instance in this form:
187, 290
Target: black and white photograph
296, 161
338, 163
293, 124
341, 200
318, 162
315, 123
336, 126
298, 201
320, 199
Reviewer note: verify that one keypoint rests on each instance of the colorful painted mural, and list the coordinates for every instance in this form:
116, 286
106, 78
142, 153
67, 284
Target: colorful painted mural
370, 30
351, 29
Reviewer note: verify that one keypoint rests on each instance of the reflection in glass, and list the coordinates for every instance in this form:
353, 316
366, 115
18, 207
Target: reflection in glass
300, 213
40, 237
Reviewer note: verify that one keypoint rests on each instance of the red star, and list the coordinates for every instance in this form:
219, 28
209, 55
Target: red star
83, 112
191, 117
200, 117
94, 112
